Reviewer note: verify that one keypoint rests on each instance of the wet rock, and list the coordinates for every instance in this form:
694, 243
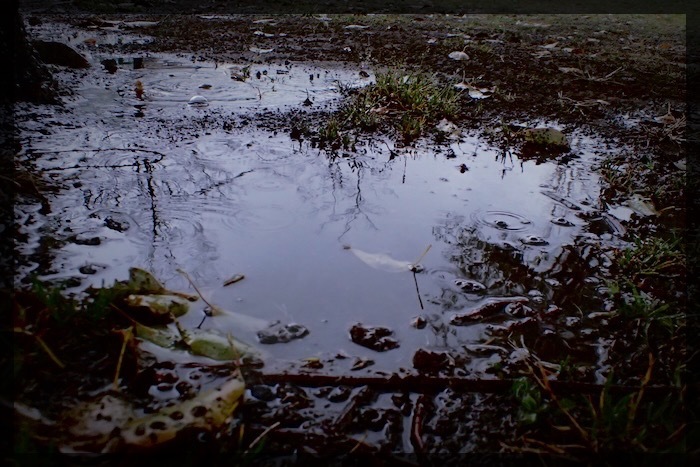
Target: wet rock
469, 285
371, 419
429, 361
262, 393
518, 309
361, 363
80, 240
534, 240
489, 308
373, 337
119, 226
90, 268
110, 65
56, 53
339, 394
419, 322
563, 221
281, 333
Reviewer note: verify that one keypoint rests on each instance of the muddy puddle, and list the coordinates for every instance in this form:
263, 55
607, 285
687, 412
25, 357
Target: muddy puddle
395, 294
329, 242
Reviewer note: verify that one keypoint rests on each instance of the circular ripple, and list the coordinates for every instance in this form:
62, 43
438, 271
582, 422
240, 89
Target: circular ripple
503, 220
260, 218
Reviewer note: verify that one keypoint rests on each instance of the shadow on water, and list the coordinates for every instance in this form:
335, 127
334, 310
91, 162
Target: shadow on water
321, 238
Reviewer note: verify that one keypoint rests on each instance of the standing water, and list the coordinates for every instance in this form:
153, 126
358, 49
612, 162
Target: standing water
171, 174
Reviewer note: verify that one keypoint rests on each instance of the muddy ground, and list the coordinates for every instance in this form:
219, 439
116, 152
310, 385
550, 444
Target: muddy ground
620, 77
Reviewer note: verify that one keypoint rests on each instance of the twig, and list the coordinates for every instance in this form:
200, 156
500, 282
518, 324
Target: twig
424, 384
634, 401
360, 442
427, 249
261, 436
43, 345
214, 308
127, 336
417, 425
544, 383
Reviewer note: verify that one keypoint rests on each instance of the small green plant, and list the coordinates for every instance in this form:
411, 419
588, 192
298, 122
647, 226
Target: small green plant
654, 257
410, 127
408, 103
529, 399
60, 308
606, 423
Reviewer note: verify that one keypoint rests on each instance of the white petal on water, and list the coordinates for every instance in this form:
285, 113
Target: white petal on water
382, 261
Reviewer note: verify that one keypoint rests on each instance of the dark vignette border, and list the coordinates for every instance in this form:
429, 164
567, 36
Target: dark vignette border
8, 145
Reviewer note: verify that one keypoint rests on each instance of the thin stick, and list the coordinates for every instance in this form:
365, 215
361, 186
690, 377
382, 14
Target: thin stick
423, 254
187, 276
420, 300
360, 442
261, 436
634, 401
43, 345
127, 335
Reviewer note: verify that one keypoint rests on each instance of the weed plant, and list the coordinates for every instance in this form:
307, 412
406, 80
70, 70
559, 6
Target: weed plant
409, 104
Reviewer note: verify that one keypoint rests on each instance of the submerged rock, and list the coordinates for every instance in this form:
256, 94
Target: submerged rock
281, 333
373, 337
430, 361
470, 285
488, 308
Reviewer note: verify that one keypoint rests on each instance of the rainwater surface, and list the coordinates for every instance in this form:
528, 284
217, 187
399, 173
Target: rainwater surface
158, 183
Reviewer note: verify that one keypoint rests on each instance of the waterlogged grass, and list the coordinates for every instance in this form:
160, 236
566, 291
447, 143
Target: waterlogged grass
649, 284
649, 324
583, 426
406, 103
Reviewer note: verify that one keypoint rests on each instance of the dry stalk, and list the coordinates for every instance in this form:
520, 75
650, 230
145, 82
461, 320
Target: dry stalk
214, 308
260, 437
634, 401
360, 442
544, 384
126, 337
42, 344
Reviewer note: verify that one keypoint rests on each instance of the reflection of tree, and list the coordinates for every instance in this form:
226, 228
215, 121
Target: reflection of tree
358, 209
